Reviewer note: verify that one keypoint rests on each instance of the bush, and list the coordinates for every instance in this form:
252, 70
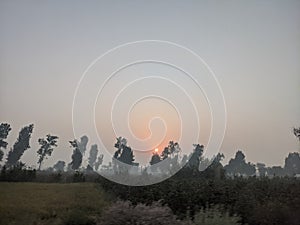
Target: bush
122, 213
78, 177
215, 216
78, 217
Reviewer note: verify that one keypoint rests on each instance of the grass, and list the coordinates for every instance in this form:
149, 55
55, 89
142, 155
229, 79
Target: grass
50, 203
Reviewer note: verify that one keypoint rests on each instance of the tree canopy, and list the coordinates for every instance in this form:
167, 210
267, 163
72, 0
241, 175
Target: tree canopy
21, 145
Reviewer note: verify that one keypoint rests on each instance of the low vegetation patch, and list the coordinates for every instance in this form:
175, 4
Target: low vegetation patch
44, 203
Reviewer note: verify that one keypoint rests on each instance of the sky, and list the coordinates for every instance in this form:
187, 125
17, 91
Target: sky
253, 48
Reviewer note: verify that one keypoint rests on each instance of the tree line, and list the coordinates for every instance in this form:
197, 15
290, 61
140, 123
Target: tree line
164, 162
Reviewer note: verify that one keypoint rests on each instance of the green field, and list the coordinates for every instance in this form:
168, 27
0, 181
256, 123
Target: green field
50, 203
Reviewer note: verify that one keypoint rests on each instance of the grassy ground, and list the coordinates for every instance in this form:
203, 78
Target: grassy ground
43, 203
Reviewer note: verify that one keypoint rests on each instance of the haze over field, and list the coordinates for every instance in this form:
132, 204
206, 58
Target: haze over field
253, 48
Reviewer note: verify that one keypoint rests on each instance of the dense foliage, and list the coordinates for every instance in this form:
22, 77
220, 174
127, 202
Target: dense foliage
256, 200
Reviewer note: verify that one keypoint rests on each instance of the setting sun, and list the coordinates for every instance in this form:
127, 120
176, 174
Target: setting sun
156, 150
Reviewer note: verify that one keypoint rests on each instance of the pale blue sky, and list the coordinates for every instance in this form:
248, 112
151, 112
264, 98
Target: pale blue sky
252, 46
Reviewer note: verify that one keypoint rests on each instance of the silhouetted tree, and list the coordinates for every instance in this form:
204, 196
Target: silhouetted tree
154, 160
124, 153
4, 131
171, 149
76, 156
238, 165
99, 162
46, 149
120, 142
165, 153
1, 155
292, 164
82, 144
297, 132
194, 161
93, 155
21, 145
169, 157
59, 166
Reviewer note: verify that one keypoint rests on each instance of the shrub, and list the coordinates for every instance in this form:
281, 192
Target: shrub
122, 213
78, 217
78, 177
215, 216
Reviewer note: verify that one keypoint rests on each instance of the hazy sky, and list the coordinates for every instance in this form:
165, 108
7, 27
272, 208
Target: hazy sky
252, 46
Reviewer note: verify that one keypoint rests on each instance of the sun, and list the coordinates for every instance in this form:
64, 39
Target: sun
156, 150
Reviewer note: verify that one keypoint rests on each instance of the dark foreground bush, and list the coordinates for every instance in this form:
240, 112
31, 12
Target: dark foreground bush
215, 215
255, 200
124, 213
78, 217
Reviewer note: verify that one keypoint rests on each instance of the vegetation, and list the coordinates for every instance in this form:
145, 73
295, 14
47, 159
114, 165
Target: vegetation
178, 200
4, 131
121, 213
40, 203
240, 192
21, 145
76, 156
215, 215
46, 149
252, 199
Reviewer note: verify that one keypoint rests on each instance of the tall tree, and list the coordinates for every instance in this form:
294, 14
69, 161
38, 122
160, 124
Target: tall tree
99, 161
170, 150
1, 155
4, 131
46, 149
170, 158
124, 153
21, 145
123, 156
93, 155
194, 160
76, 156
155, 159
82, 144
